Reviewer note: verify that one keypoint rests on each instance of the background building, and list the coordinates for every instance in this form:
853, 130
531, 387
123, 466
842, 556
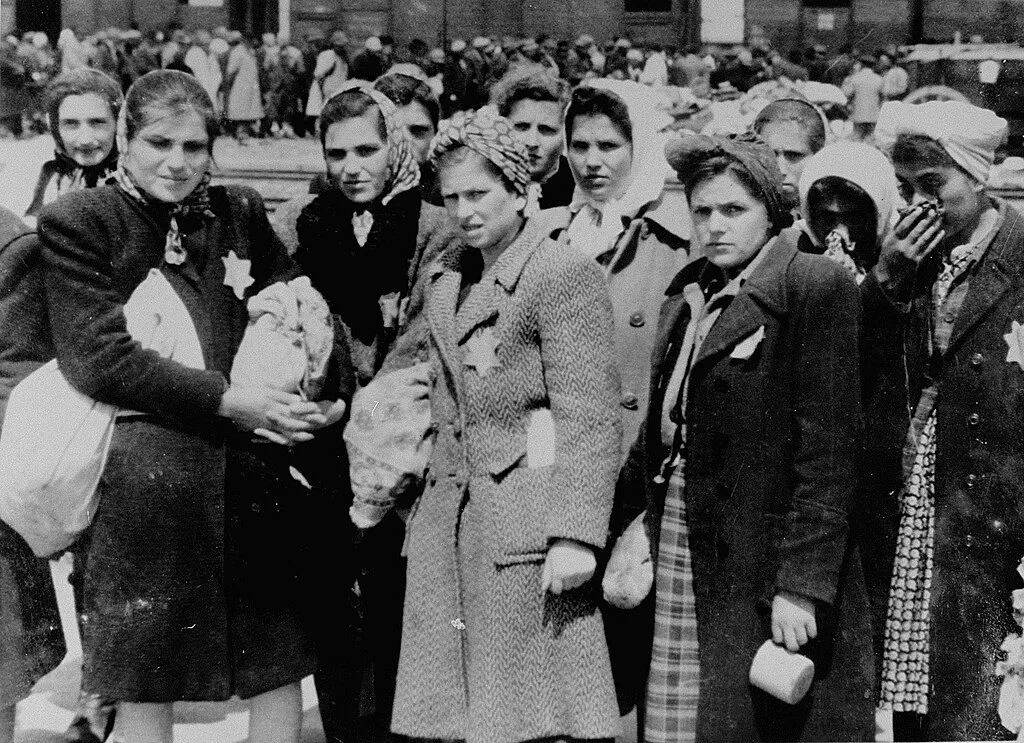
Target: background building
787, 23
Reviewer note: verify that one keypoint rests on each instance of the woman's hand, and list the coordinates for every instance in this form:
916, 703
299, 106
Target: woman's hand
908, 243
793, 621
278, 416
569, 565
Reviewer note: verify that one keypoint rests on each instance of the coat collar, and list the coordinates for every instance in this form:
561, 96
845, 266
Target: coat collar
1000, 268
763, 294
483, 303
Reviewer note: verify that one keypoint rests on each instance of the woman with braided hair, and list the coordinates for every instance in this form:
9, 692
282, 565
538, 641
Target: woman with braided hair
502, 640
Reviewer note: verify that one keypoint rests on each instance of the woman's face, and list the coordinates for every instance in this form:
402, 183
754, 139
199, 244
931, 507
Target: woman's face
168, 156
538, 125
357, 157
730, 226
487, 213
792, 150
600, 156
961, 197
86, 126
417, 124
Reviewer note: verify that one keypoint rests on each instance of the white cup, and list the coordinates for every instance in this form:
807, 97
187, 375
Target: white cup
786, 676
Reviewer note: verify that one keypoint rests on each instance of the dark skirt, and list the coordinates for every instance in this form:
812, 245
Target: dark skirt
205, 556
31, 639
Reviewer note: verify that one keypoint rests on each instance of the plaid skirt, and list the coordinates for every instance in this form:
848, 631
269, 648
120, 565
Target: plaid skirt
674, 678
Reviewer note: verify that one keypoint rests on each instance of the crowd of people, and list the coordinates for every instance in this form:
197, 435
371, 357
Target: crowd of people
273, 86
557, 445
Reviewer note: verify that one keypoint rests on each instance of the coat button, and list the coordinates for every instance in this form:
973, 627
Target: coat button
720, 384
969, 540
997, 526
637, 319
973, 420
254, 507
972, 480
629, 401
977, 358
675, 415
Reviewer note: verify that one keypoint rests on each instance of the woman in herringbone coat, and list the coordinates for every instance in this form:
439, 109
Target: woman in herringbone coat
502, 640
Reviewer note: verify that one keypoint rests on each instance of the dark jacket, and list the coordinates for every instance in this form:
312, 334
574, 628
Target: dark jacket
202, 560
979, 488
31, 640
769, 481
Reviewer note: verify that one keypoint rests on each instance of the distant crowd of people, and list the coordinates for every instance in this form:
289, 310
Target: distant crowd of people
274, 86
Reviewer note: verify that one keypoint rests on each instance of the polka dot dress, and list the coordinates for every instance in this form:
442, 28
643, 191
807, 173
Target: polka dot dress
905, 659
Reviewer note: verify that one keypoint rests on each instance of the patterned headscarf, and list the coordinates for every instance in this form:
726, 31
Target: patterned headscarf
687, 153
489, 135
196, 203
403, 170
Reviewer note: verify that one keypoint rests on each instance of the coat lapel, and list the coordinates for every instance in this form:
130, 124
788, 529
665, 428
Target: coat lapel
994, 279
762, 294
445, 281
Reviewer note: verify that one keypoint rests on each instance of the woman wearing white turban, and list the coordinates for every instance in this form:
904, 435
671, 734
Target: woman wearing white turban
942, 315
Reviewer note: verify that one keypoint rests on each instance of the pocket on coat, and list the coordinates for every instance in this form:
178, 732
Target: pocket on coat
520, 558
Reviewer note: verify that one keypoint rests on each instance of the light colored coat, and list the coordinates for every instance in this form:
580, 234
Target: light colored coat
864, 89
651, 250
487, 657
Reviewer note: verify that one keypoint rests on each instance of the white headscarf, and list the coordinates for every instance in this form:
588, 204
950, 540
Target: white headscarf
862, 165
596, 226
970, 135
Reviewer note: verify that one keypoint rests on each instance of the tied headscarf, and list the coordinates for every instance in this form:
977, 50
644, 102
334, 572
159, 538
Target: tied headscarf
596, 226
687, 154
970, 135
196, 204
490, 136
403, 170
63, 174
860, 164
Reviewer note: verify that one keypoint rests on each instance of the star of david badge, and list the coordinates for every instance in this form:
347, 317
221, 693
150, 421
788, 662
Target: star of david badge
1015, 343
237, 273
481, 351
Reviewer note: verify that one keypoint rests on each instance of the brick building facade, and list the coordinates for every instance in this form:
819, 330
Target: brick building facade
787, 23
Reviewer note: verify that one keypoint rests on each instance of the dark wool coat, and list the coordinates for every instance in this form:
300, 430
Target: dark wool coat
31, 639
769, 481
199, 567
486, 656
979, 488
317, 229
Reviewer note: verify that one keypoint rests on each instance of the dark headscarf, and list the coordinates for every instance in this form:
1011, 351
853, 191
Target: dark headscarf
687, 154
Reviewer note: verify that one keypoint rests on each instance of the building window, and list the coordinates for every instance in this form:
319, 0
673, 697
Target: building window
648, 6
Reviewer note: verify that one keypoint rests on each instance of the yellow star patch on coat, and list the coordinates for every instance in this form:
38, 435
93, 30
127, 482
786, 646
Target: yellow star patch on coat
481, 351
1015, 342
237, 273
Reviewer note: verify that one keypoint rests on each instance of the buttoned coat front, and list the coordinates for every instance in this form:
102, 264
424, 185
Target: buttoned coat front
652, 248
769, 470
487, 656
979, 467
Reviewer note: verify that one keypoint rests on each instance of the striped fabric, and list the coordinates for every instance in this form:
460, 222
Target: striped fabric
674, 680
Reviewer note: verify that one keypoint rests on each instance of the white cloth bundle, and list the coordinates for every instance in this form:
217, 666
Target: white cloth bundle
55, 440
287, 345
389, 440
629, 575
969, 134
